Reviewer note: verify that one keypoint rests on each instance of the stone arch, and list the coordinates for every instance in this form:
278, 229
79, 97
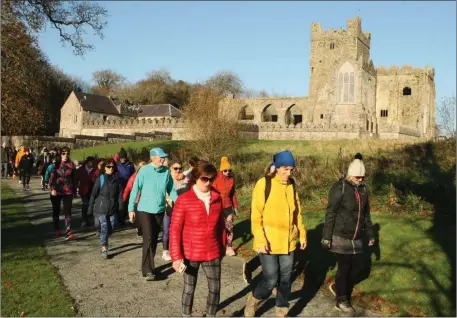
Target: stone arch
294, 115
269, 114
345, 84
246, 113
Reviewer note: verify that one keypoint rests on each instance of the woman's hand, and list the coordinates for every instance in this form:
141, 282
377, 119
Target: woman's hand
371, 243
264, 250
53, 193
132, 216
302, 246
176, 265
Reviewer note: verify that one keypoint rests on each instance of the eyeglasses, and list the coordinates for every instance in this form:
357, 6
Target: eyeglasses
109, 167
229, 171
206, 179
177, 168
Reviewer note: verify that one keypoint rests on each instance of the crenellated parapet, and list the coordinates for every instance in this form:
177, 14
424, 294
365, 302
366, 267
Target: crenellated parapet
406, 70
354, 29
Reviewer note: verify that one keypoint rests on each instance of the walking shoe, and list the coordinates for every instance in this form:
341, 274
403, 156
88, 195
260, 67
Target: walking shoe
251, 306
58, 233
332, 289
282, 311
149, 277
229, 251
69, 236
345, 306
27, 187
166, 255
138, 233
105, 253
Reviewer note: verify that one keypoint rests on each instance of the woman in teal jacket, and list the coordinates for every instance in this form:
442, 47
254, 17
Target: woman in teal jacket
154, 181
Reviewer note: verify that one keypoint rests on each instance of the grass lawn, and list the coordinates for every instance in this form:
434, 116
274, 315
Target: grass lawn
30, 284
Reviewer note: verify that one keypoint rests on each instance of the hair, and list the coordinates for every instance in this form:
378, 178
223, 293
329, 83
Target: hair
65, 148
26, 149
175, 161
90, 158
193, 161
141, 165
202, 168
111, 162
358, 156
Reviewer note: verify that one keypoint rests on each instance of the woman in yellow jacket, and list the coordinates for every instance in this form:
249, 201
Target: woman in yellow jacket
277, 227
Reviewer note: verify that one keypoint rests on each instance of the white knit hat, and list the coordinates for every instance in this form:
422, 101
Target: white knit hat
356, 169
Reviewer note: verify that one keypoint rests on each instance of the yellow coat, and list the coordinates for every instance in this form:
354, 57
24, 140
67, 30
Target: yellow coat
277, 224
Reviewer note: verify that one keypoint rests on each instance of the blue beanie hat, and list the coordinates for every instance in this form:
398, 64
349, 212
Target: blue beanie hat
283, 159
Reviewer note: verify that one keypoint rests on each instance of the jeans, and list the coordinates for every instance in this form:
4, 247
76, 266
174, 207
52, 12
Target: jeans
166, 232
106, 221
350, 266
67, 204
274, 265
150, 226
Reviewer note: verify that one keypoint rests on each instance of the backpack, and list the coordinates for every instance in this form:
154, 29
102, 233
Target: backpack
102, 181
268, 187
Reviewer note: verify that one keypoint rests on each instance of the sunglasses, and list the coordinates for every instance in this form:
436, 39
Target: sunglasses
65, 153
177, 169
206, 179
229, 171
109, 167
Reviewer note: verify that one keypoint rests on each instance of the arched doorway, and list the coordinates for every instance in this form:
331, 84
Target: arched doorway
269, 114
294, 115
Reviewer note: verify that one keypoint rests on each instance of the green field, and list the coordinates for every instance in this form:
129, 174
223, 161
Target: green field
412, 191
30, 284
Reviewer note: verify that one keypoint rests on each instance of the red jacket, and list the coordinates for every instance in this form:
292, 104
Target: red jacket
194, 234
226, 187
128, 188
84, 180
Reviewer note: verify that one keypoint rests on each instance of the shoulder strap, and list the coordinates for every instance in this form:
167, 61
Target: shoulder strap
102, 180
342, 193
267, 188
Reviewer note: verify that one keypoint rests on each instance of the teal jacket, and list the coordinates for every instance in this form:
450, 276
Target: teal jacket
48, 172
153, 184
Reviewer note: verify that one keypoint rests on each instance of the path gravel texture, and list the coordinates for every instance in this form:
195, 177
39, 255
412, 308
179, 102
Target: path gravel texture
115, 287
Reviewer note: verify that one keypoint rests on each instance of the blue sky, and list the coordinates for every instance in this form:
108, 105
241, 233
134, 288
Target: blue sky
265, 43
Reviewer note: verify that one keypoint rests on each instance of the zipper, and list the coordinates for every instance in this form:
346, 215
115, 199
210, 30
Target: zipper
357, 196
353, 247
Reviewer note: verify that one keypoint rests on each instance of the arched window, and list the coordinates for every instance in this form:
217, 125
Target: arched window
269, 114
246, 113
346, 84
294, 115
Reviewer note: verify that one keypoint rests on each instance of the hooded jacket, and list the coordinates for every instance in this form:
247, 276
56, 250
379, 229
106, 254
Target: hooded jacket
105, 200
226, 187
153, 183
124, 172
277, 223
26, 162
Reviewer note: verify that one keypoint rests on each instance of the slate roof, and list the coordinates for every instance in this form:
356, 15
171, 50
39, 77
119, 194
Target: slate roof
159, 110
97, 103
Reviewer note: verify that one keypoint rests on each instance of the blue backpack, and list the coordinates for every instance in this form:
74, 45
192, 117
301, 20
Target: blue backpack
102, 181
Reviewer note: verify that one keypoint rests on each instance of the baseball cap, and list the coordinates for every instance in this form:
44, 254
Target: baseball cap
158, 152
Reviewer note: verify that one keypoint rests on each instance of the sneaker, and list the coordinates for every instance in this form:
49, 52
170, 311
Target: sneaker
105, 253
149, 277
229, 251
69, 236
345, 306
27, 187
332, 289
166, 255
20, 182
58, 233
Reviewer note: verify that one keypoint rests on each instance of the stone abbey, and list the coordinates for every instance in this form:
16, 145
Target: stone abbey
348, 98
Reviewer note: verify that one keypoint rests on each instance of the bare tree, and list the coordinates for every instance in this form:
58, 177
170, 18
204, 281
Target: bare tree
213, 135
107, 81
446, 117
70, 18
225, 83
162, 76
252, 93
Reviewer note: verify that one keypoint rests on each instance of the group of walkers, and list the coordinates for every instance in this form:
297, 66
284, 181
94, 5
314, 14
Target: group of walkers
196, 209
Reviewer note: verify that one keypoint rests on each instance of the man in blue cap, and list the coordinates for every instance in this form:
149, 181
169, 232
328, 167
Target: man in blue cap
152, 181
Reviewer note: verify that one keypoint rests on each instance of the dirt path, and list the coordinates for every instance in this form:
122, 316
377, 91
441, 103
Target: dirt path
115, 287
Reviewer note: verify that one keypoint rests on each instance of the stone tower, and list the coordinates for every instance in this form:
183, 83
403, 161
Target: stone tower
342, 86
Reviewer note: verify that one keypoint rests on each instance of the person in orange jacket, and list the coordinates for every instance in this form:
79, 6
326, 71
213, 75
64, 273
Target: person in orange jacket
19, 155
225, 185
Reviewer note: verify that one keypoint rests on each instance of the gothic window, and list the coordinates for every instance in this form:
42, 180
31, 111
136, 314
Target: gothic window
346, 84
406, 91
269, 114
384, 113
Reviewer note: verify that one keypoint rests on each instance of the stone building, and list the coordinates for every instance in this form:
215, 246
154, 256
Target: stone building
349, 98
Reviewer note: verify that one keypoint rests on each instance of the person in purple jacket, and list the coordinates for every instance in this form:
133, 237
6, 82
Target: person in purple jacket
125, 169
63, 188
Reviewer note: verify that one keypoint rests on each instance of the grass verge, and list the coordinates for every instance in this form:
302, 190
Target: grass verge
30, 284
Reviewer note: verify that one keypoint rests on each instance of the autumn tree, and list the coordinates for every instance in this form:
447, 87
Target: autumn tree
106, 82
225, 83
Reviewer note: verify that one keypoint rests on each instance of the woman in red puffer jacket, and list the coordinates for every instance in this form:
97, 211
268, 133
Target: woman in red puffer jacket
198, 237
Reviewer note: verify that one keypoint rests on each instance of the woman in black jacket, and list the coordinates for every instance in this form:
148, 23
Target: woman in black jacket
25, 166
104, 203
347, 218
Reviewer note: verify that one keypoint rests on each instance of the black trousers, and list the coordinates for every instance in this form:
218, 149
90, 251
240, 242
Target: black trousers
67, 205
25, 177
84, 208
350, 266
150, 225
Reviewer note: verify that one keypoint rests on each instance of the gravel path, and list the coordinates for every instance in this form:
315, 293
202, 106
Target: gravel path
115, 287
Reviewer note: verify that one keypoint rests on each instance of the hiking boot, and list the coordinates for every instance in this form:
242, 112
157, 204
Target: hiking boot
282, 311
345, 306
251, 306
166, 255
150, 277
332, 289
229, 251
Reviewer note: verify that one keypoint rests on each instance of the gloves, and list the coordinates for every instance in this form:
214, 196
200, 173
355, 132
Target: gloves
327, 244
